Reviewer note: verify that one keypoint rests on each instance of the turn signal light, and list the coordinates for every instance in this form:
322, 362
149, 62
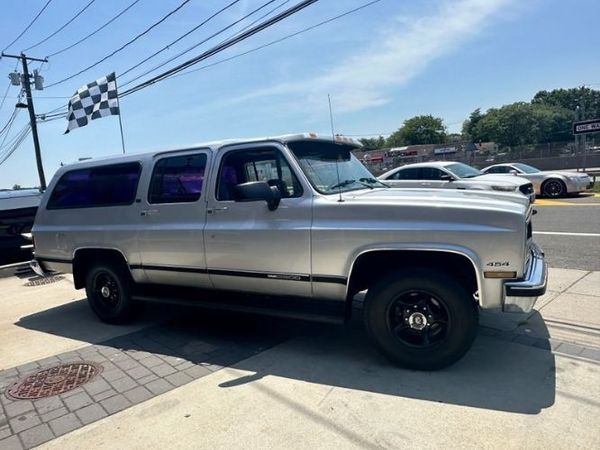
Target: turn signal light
500, 274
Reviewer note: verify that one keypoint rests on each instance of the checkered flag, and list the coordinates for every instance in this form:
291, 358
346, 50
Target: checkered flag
93, 101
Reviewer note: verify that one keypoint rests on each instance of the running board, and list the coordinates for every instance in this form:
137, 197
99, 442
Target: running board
315, 310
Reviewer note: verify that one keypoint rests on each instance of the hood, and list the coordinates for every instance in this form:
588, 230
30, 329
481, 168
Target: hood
444, 198
499, 178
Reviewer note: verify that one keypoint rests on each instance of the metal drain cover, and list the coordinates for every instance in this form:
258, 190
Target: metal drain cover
44, 280
53, 381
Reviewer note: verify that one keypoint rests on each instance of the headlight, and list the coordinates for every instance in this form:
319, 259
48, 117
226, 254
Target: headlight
572, 178
505, 188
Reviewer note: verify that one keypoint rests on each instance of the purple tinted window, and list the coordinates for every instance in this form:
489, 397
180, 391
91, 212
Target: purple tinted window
97, 186
178, 179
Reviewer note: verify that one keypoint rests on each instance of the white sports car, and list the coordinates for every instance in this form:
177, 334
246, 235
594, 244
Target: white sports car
454, 175
547, 183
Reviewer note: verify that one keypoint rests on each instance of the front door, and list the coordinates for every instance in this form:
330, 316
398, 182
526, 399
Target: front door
173, 215
248, 247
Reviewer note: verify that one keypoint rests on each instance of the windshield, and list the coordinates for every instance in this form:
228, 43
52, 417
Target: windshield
463, 171
332, 168
526, 169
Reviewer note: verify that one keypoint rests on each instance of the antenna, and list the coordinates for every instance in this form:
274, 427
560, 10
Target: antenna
337, 167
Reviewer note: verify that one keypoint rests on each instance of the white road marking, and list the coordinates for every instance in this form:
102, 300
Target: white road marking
564, 233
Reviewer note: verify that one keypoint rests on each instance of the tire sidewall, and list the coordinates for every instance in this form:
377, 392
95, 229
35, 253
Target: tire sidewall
461, 309
124, 310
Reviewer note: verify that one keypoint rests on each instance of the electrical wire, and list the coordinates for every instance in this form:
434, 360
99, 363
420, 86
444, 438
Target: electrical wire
21, 136
162, 64
166, 47
28, 26
8, 124
131, 41
219, 48
62, 27
100, 28
277, 41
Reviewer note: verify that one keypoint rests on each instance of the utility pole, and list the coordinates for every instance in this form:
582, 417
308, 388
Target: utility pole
26, 82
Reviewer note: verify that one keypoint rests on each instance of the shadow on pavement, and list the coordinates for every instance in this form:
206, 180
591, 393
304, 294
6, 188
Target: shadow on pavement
496, 374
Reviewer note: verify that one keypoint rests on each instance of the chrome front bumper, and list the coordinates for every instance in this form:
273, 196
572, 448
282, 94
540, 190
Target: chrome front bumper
521, 295
35, 266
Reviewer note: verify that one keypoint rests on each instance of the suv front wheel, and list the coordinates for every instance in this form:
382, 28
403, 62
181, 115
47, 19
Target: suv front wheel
109, 293
421, 319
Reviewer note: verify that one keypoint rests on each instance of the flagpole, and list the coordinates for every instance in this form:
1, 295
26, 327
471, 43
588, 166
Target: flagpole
120, 121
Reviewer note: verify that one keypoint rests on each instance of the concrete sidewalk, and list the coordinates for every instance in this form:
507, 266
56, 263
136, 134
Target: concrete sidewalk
210, 381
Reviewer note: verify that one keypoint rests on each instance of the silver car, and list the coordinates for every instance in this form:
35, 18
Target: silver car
295, 226
454, 175
547, 183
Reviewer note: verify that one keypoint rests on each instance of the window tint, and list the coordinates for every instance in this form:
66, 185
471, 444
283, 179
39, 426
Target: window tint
177, 179
411, 173
262, 164
499, 169
431, 173
96, 186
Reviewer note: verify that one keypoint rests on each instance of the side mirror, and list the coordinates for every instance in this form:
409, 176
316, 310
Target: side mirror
258, 190
446, 177
513, 171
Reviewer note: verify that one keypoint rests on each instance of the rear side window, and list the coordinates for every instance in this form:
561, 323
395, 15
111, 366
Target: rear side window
178, 179
112, 185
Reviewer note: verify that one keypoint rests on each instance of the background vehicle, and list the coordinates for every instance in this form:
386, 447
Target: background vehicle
17, 211
297, 219
453, 175
548, 183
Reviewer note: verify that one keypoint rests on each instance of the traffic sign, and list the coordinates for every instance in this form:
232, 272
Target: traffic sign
586, 126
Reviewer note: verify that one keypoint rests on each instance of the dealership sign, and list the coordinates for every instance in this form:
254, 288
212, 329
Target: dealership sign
587, 126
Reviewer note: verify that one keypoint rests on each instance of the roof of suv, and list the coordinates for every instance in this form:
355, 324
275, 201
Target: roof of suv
216, 145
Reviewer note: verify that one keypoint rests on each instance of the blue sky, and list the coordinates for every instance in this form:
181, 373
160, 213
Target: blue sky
382, 65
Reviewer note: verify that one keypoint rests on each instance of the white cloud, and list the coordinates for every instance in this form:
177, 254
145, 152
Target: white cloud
401, 52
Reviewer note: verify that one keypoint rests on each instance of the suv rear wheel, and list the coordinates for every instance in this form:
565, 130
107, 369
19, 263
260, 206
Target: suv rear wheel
109, 293
421, 319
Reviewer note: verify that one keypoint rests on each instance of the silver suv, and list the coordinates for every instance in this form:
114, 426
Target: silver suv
295, 226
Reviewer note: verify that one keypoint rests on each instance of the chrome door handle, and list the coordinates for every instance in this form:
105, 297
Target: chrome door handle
148, 212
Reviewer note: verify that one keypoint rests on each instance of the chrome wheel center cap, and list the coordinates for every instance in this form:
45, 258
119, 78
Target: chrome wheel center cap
105, 291
417, 321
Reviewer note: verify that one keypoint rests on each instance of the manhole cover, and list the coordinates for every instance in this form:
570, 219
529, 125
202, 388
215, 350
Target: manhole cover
44, 280
53, 381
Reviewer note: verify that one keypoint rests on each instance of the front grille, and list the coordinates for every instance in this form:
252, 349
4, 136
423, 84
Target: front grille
527, 189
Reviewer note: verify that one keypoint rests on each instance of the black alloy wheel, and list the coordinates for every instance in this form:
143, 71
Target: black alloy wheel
554, 188
108, 288
418, 319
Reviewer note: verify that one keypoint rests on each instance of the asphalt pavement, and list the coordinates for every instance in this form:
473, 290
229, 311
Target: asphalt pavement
568, 230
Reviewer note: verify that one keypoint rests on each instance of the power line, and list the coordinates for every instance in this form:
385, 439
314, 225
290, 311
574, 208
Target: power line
222, 30
8, 124
146, 31
62, 27
219, 48
28, 26
85, 38
166, 47
16, 144
277, 41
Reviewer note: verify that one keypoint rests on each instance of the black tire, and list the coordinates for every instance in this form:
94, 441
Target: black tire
114, 304
554, 188
400, 303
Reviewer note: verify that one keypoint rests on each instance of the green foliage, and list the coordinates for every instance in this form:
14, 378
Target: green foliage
372, 144
419, 130
586, 98
16, 187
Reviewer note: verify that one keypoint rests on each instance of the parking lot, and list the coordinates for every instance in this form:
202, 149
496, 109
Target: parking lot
187, 378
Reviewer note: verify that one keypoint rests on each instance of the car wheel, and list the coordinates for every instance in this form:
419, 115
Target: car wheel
554, 188
421, 319
108, 290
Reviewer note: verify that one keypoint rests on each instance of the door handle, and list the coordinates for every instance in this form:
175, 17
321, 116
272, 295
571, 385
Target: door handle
148, 212
211, 210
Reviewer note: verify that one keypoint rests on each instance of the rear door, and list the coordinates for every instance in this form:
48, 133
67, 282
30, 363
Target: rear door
173, 215
250, 248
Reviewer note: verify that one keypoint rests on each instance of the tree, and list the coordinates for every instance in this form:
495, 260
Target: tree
570, 99
16, 187
469, 129
419, 130
372, 144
